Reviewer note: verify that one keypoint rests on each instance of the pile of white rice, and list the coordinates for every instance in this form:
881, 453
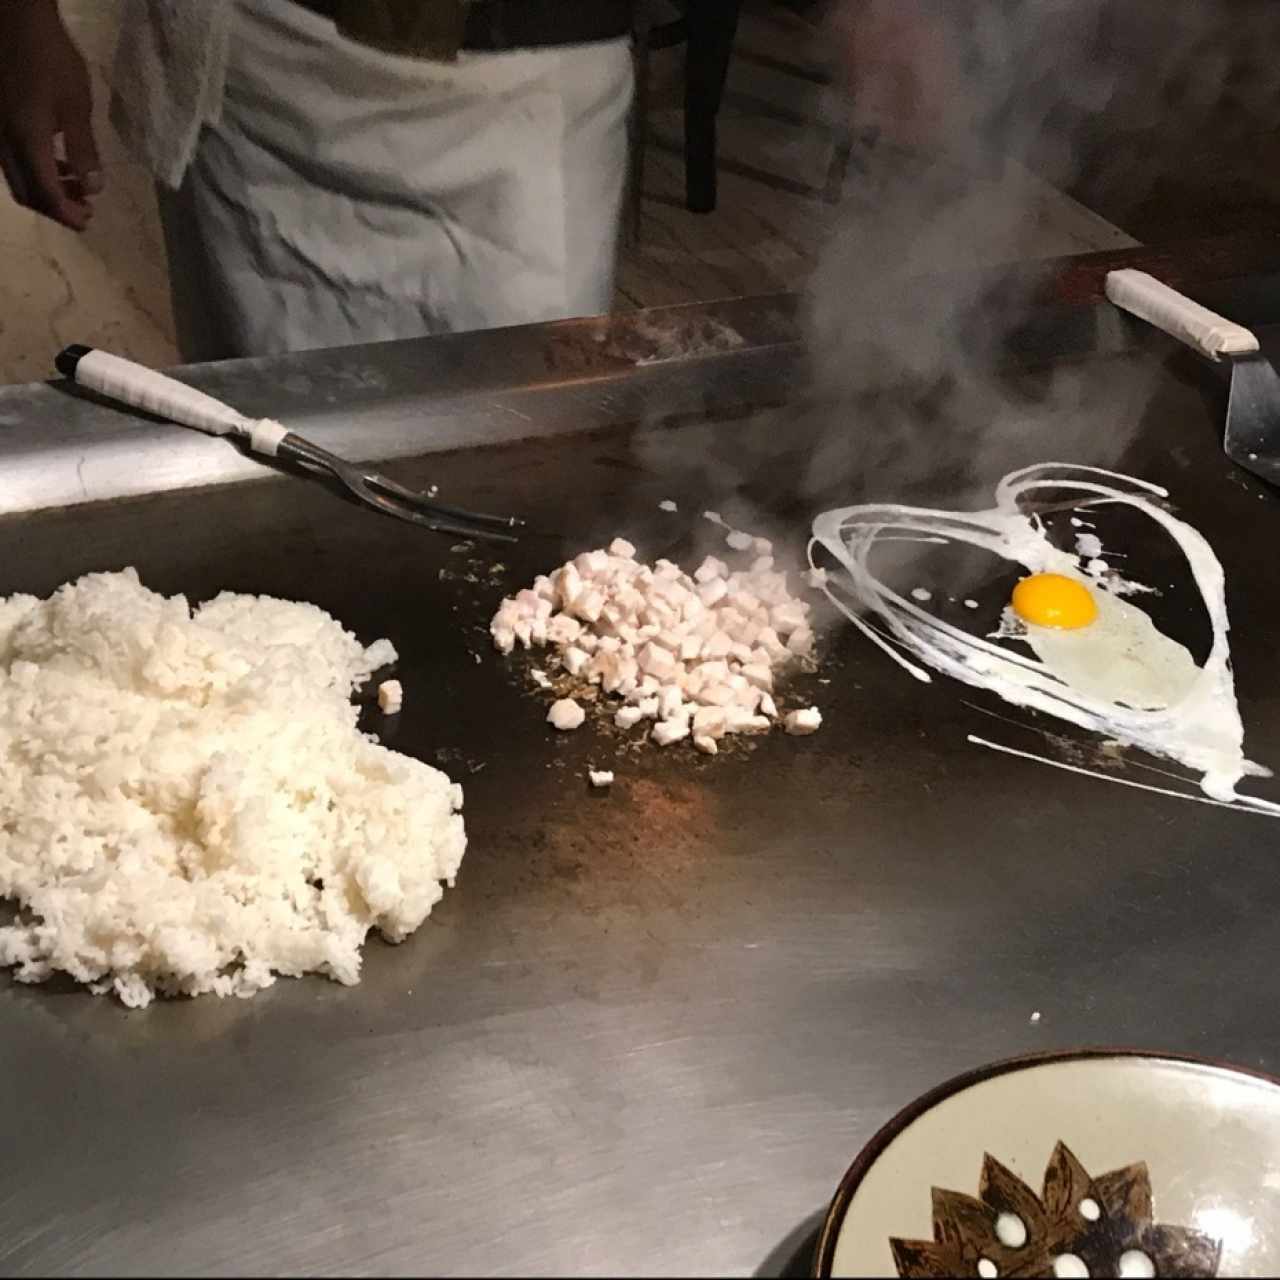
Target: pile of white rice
186, 804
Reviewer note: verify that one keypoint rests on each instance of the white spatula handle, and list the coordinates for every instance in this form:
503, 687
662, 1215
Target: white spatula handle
143, 388
1175, 314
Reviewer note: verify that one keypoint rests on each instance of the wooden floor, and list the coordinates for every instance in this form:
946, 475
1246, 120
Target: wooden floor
783, 185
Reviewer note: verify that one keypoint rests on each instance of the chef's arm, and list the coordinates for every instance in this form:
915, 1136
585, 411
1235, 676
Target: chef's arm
45, 93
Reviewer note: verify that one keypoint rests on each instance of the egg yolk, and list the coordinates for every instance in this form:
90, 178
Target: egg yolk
1051, 600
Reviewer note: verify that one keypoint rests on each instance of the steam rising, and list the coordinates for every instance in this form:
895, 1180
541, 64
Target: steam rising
906, 341
911, 395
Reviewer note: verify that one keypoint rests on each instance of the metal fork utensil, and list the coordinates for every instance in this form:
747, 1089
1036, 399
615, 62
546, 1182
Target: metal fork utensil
144, 388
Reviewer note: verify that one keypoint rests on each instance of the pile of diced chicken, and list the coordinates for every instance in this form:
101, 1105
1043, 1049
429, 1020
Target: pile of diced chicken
696, 655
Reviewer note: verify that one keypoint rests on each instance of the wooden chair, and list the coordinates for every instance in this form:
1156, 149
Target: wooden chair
707, 28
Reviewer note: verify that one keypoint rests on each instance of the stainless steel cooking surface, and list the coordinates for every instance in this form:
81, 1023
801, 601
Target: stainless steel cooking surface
651, 1027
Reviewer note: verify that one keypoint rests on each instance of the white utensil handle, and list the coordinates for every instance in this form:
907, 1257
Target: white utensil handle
166, 397
1175, 314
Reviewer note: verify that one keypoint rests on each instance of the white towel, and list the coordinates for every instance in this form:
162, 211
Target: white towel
170, 70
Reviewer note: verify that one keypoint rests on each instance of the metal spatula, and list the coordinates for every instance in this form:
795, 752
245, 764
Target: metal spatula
1252, 437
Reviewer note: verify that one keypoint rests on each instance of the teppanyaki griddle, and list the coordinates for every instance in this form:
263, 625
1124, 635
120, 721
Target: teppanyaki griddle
649, 1028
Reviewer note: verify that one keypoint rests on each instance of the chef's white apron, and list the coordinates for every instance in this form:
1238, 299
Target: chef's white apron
346, 195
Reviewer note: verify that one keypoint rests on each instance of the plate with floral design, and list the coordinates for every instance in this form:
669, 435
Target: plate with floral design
1092, 1163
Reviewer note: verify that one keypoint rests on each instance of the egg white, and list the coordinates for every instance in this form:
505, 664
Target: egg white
1121, 657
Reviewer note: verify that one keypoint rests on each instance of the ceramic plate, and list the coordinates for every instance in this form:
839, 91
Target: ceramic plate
1100, 1163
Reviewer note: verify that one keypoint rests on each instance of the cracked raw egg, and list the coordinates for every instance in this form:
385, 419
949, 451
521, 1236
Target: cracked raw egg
1098, 644
1054, 600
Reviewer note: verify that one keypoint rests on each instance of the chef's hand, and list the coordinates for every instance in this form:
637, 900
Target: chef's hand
903, 68
45, 93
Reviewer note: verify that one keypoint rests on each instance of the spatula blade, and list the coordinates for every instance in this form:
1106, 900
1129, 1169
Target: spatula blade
1252, 437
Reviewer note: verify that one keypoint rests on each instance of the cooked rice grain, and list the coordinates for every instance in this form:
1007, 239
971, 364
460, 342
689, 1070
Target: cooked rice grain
186, 804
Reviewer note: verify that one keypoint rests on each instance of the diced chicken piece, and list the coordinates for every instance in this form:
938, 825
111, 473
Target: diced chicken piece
742, 721
657, 661
565, 714
612, 619
390, 697
715, 670
800, 642
563, 630
690, 649
622, 676
761, 546
740, 652
588, 604
693, 608
628, 717
540, 678
772, 590
621, 547
528, 601
711, 592
710, 568
710, 722
762, 564
670, 700
707, 625
768, 707
788, 616
707, 745
816, 578
629, 600
668, 638
648, 708
588, 641
738, 540
524, 632
759, 675
568, 584
600, 777
716, 695
597, 562
667, 505
671, 593
665, 732
509, 613
538, 631
803, 722
666, 571
575, 660
769, 640
718, 646
504, 638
